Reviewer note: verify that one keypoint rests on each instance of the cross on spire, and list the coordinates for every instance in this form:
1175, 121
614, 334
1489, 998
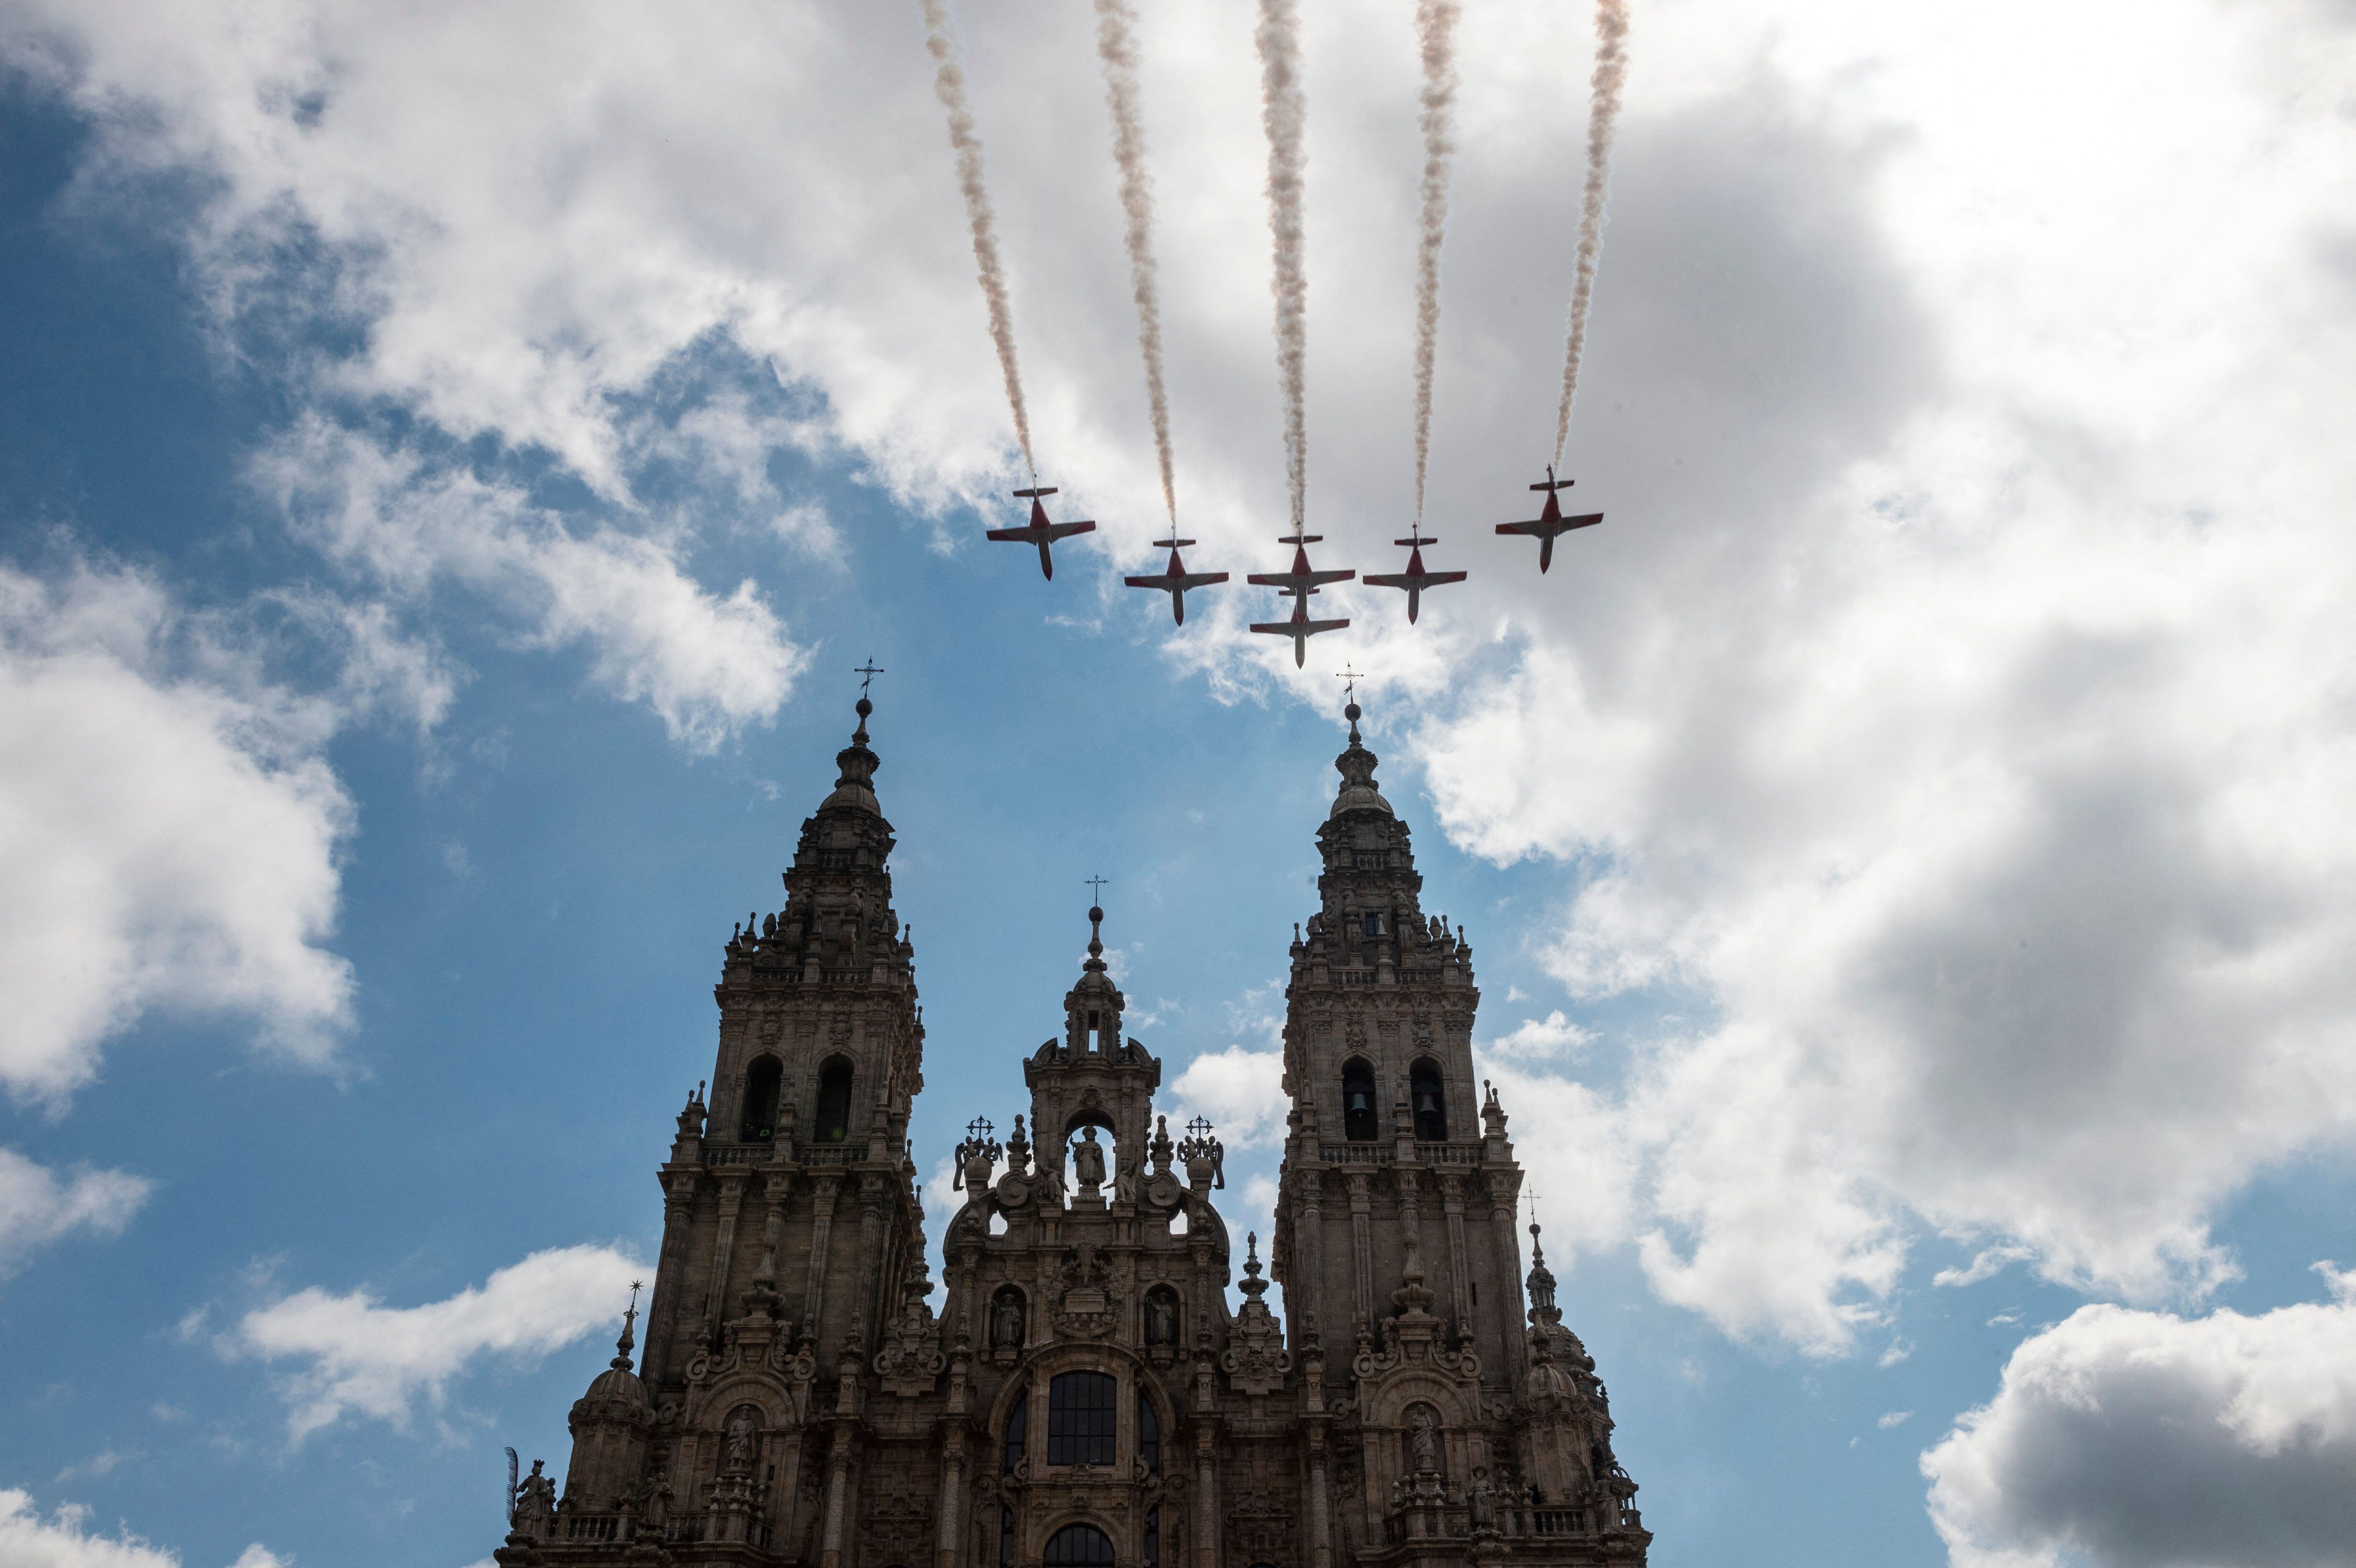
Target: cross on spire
1349, 677
1097, 885
869, 670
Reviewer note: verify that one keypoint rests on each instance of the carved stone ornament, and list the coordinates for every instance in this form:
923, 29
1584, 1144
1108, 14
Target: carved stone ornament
910, 1362
1090, 1302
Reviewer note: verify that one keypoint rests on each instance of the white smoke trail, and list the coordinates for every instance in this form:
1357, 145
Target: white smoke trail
1611, 71
1435, 26
1284, 112
1116, 48
948, 86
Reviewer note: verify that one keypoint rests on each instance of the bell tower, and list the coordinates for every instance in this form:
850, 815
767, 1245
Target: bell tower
1390, 1162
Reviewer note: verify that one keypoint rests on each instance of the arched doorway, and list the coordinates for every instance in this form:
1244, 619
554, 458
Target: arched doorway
1079, 1545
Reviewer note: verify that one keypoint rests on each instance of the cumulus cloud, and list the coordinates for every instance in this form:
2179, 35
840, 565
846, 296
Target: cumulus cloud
707, 664
2121, 1438
38, 1206
1240, 1089
64, 1539
1540, 1039
168, 833
356, 1356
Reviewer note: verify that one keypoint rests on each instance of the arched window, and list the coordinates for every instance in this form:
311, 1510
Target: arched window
759, 1122
1358, 1100
1079, 1546
1430, 1098
1081, 1421
1149, 1434
834, 1100
1018, 1427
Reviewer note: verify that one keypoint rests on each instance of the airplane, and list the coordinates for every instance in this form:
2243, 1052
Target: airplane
1176, 580
1550, 524
1298, 584
1299, 628
1039, 530
1415, 580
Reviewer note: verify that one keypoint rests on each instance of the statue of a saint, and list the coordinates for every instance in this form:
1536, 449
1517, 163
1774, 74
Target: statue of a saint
1423, 1438
737, 1455
1087, 1159
535, 1504
1161, 1318
1006, 1322
1478, 1502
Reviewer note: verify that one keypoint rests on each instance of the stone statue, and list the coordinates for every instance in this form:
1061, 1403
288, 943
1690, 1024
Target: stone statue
1087, 1159
1423, 1438
1161, 1318
1006, 1322
737, 1454
535, 1504
1479, 1502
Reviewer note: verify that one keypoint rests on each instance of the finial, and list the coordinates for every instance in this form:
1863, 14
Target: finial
867, 672
1348, 675
623, 1346
1096, 921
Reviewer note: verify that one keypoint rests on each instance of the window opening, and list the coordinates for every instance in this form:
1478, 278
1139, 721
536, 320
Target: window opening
834, 1100
1005, 1535
1018, 1424
1078, 1546
1374, 925
1431, 1101
1149, 1434
759, 1123
1081, 1421
1358, 1100
1153, 1537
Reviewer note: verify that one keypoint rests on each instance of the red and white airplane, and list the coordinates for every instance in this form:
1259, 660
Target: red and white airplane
1415, 579
1298, 584
1176, 578
1550, 524
1039, 530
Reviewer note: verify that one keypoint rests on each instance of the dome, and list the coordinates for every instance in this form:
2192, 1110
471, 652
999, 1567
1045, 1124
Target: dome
619, 1383
1356, 766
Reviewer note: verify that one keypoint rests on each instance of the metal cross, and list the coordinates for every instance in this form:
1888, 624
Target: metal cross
1349, 676
871, 670
1200, 1126
979, 1129
1098, 884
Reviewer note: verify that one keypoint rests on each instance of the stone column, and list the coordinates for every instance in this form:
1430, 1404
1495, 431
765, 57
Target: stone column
1321, 1538
873, 1257
1452, 1200
1308, 1268
671, 1274
731, 1198
1362, 1247
1207, 1503
952, 1493
837, 1498
821, 1227
1504, 1187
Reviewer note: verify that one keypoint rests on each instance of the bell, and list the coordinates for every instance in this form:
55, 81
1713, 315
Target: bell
1357, 1100
1428, 1105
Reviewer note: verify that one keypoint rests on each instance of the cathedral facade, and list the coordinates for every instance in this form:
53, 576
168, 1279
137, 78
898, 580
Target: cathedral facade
1086, 1392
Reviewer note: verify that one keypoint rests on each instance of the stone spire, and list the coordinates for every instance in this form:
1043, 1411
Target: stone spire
1356, 766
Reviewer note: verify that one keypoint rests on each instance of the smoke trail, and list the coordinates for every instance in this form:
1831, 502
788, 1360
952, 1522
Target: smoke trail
1611, 71
948, 86
1116, 48
1284, 111
1435, 26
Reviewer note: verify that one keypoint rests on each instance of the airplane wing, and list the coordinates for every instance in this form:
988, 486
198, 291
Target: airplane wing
1065, 530
1584, 520
1197, 579
1293, 582
1032, 533
1306, 628
1415, 579
1535, 526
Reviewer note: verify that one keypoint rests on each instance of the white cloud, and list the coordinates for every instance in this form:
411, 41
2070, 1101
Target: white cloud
2121, 1438
708, 664
1894, 1418
361, 1357
1987, 1263
64, 1541
1540, 1039
1240, 1089
37, 1206
168, 833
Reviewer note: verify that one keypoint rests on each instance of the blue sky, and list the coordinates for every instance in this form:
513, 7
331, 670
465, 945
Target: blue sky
449, 471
